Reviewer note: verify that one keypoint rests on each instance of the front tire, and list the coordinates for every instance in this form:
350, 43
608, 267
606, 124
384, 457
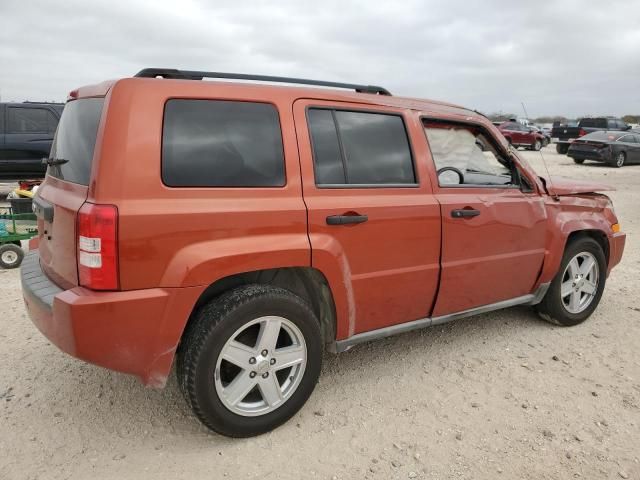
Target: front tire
576, 290
579, 161
562, 149
10, 256
250, 359
536, 146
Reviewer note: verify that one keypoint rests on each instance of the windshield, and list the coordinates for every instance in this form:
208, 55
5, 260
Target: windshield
75, 140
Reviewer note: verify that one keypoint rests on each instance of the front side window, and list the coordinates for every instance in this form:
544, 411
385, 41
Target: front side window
360, 148
466, 155
30, 120
219, 143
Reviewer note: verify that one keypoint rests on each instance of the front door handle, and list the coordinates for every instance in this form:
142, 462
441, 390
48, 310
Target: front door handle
346, 219
465, 213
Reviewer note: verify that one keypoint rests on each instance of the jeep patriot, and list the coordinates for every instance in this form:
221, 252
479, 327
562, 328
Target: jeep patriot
237, 229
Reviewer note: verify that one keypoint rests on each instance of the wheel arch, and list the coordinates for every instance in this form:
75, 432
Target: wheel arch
307, 282
559, 244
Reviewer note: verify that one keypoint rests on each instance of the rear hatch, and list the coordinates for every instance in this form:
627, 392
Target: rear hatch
65, 189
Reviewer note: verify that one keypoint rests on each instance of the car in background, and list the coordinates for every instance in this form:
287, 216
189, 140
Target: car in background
563, 136
545, 134
26, 134
520, 136
613, 148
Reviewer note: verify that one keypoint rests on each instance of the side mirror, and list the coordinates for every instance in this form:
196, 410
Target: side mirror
531, 130
627, 127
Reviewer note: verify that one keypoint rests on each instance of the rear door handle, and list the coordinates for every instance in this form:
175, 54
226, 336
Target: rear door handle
465, 213
346, 219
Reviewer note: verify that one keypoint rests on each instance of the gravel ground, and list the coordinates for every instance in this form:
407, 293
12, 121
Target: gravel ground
502, 395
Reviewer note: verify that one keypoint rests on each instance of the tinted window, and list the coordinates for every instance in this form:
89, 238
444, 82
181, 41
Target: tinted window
627, 139
369, 148
75, 140
326, 148
601, 135
30, 120
594, 122
211, 143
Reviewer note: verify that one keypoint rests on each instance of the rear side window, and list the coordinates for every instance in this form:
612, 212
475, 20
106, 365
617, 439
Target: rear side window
360, 148
75, 140
216, 143
31, 120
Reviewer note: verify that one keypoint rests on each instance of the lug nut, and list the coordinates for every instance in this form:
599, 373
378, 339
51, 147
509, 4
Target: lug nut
265, 352
252, 360
252, 374
272, 361
265, 375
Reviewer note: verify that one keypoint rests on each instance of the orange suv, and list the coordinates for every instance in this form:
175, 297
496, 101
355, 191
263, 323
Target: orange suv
241, 228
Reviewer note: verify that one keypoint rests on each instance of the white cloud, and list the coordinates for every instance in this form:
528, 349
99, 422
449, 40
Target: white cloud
569, 57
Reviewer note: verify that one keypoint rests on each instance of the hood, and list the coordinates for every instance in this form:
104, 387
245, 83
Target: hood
570, 186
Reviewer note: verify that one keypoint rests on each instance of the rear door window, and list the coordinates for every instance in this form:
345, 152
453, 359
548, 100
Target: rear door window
75, 140
360, 148
219, 143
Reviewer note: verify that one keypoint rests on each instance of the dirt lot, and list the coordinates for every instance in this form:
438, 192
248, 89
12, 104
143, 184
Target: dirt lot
502, 395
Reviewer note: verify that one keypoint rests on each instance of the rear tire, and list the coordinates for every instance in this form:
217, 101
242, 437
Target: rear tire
10, 256
562, 149
619, 160
579, 161
228, 360
558, 305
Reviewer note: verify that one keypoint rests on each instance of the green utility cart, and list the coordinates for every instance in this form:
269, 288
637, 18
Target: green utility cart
14, 227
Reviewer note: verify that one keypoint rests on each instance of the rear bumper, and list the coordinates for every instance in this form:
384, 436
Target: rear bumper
616, 247
589, 155
135, 332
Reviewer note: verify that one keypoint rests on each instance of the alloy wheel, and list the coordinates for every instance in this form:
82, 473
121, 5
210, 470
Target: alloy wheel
260, 366
579, 282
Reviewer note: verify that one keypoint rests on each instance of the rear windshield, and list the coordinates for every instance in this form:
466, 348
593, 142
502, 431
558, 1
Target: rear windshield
605, 136
75, 140
594, 122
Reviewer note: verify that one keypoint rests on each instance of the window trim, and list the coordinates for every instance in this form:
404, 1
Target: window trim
515, 170
227, 187
333, 109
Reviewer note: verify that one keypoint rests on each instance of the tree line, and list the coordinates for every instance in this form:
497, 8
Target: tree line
503, 117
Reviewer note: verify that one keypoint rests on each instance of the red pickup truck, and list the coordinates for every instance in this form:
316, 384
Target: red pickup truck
237, 229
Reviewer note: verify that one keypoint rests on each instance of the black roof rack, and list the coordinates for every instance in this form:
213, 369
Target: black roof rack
198, 75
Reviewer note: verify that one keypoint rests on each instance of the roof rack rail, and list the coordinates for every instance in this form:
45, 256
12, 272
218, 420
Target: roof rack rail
198, 75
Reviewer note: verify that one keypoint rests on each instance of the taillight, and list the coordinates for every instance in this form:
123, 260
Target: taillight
98, 246
582, 133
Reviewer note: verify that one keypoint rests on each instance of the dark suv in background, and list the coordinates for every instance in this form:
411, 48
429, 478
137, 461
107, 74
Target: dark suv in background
26, 133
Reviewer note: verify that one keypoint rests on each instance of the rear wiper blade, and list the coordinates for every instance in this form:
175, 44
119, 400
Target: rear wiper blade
54, 161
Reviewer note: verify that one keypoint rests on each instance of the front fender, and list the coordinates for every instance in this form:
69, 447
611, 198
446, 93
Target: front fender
573, 214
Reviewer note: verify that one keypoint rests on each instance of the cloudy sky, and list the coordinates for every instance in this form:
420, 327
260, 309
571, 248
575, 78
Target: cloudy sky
563, 57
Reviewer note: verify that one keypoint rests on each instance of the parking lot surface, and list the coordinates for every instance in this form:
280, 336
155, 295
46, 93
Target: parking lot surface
501, 395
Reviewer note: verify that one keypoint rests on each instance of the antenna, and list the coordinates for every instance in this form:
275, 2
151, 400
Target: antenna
547, 181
